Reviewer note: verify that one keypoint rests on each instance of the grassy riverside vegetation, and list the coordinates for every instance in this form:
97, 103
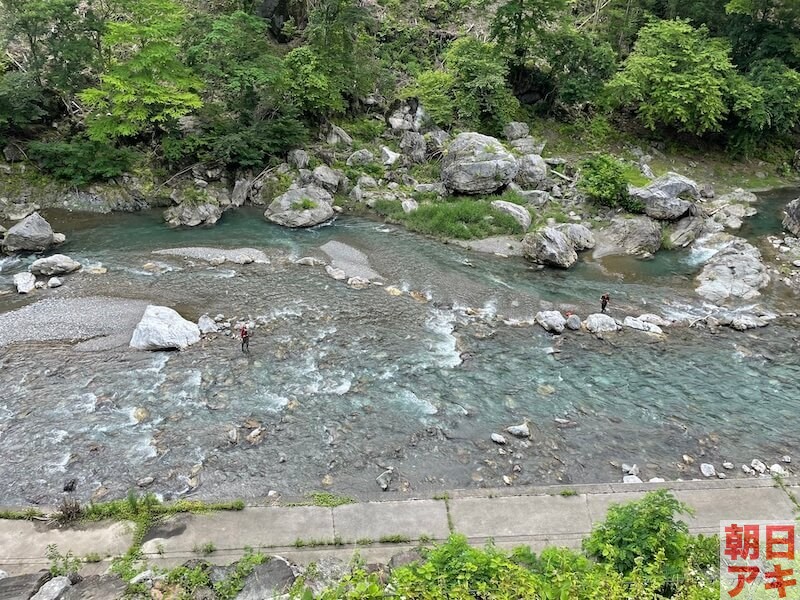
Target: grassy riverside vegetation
641, 552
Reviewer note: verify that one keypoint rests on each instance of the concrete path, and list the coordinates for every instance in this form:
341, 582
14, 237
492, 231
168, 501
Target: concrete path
536, 517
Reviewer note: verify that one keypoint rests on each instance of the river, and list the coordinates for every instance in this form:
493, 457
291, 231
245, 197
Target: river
347, 383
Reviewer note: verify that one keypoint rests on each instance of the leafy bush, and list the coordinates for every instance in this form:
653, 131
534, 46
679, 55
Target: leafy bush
435, 91
456, 570
22, 102
640, 530
81, 162
603, 180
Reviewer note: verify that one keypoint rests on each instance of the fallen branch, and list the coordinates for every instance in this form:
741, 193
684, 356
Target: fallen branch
564, 177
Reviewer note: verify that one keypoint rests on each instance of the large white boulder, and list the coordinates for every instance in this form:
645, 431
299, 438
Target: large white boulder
162, 328
600, 323
551, 320
477, 164
58, 264
549, 246
736, 271
25, 282
581, 236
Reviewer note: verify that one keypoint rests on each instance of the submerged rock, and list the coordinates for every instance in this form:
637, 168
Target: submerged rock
477, 164
549, 246
33, 234
162, 328
58, 264
301, 207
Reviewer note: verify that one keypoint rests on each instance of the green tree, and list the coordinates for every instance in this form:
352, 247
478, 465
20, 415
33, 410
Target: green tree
517, 22
145, 83
640, 531
435, 90
59, 41
481, 93
22, 102
677, 77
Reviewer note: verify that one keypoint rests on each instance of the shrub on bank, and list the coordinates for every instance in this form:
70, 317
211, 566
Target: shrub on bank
603, 180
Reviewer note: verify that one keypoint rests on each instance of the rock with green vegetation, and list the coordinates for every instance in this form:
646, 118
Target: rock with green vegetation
637, 236
549, 246
520, 213
360, 157
477, 164
668, 186
735, 272
581, 236
528, 145
435, 142
33, 234
791, 218
532, 171
301, 207
58, 264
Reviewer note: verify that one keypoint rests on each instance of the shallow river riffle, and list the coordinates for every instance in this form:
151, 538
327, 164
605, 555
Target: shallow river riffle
344, 383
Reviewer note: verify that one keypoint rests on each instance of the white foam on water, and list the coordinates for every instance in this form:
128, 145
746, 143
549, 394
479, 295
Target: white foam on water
60, 466
268, 401
86, 402
339, 388
411, 400
189, 392
58, 435
5, 413
143, 449
223, 273
443, 324
9, 262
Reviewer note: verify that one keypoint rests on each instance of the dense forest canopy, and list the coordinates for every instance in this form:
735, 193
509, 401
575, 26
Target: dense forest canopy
85, 85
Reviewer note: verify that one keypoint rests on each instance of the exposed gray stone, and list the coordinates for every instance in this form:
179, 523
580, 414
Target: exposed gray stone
53, 589
549, 246
188, 214
22, 587
527, 145
54, 282
477, 164
409, 205
57, 264
516, 130
580, 236
338, 136
360, 157
498, 439
413, 145
635, 235
600, 323
388, 156
685, 231
736, 271
207, 325
269, 580
24, 282
640, 325
532, 171
573, 322
327, 178
301, 207
32, 233
431, 188
791, 219
299, 159
520, 213
435, 141
162, 328
551, 320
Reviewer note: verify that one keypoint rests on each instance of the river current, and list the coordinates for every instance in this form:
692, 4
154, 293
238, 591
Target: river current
345, 383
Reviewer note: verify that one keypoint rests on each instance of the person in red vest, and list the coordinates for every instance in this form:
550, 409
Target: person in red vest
245, 335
